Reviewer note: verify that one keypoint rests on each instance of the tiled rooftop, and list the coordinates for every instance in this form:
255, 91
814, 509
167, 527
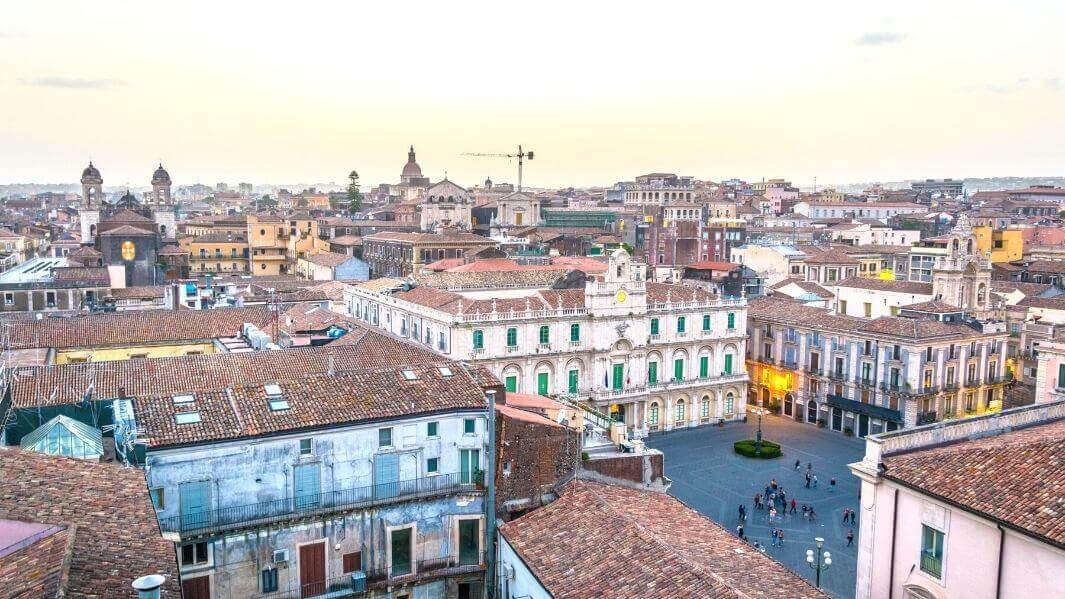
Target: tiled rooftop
104, 507
608, 541
315, 401
883, 285
1016, 477
130, 328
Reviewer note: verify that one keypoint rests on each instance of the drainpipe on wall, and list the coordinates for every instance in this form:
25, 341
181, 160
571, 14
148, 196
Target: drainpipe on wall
1001, 547
490, 498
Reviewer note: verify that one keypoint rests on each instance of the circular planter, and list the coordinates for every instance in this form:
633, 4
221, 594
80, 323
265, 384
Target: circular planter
746, 448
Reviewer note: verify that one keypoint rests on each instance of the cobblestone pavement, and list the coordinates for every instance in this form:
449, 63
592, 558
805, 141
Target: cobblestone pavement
708, 476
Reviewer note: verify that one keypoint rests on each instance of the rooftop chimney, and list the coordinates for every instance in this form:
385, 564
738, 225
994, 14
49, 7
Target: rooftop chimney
147, 587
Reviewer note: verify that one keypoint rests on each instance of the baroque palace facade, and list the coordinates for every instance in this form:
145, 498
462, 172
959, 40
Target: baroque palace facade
654, 356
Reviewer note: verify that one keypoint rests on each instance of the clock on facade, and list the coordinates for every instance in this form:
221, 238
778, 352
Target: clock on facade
129, 250
621, 296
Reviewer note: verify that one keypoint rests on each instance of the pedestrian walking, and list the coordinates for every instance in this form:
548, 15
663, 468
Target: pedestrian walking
815, 481
793, 505
743, 512
774, 537
739, 531
772, 513
773, 484
853, 517
850, 537
846, 514
805, 510
780, 537
813, 516
797, 465
832, 484
757, 501
808, 479
783, 496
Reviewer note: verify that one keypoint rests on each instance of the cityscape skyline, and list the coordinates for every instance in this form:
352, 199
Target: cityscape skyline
843, 95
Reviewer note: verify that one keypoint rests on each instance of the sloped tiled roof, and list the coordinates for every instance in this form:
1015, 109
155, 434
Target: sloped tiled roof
1016, 477
329, 259
321, 400
608, 541
129, 328
107, 511
884, 285
360, 349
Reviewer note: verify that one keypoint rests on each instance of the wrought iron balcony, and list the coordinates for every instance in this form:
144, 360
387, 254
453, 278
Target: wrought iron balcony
264, 513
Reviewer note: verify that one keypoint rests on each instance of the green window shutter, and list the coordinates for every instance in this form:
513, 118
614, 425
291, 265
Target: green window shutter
731, 320
574, 379
575, 332
706, 322
704, 366
512, 384
680, 324
1061, 376
545, 334
728, 363
619, 376
512, 337
542, 380
678, 369
478, 339
652, 372
654, 326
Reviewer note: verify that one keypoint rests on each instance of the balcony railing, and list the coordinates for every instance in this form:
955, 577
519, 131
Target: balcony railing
363, 581
837, 375
931, 564
926, 418
267, 512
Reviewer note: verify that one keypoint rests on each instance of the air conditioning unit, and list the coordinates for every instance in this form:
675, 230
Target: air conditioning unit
508, 571
280, 556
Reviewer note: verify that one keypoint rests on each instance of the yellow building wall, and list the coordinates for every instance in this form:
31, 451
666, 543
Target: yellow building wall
1006, 245
116, 354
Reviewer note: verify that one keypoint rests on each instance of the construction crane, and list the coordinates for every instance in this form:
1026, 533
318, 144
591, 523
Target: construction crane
521, 156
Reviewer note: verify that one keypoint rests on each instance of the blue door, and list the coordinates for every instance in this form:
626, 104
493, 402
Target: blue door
308, 486
195, 502
386, 475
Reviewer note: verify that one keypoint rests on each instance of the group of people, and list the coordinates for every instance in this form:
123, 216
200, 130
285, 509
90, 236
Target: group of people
774, 500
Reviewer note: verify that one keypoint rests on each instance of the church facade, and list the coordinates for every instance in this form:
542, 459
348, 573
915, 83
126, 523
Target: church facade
128, 234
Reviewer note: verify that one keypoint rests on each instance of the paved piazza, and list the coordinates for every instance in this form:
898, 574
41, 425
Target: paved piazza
708, 476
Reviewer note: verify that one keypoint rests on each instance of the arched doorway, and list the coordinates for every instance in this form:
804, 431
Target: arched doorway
811, 412
789, 405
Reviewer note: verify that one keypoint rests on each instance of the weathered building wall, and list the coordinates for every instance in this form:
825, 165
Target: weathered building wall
532, 458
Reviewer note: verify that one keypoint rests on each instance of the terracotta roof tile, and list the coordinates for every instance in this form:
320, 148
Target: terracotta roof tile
149, 326
107, 510
1016, 477
608, 541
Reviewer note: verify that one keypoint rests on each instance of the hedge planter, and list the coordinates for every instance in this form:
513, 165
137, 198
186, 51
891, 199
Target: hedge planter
746, 448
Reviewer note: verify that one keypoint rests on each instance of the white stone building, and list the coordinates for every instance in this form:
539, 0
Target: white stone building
446, 205
654, 356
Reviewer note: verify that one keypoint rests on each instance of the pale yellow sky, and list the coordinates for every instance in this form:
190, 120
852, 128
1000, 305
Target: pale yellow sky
602, 91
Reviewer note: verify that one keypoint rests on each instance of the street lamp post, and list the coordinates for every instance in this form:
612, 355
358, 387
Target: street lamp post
821, 561
758, 435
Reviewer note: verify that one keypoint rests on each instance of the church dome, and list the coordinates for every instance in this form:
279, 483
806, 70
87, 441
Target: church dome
128, 200
91, 175
160, 176
411, 169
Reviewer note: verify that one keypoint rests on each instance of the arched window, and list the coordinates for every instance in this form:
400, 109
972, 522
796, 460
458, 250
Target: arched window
704, 409
969, 246
652, 414
478, 339
730, 401
680, 410
981, 293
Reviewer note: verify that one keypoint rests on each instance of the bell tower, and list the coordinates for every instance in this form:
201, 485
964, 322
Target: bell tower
963, 276
92, 196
